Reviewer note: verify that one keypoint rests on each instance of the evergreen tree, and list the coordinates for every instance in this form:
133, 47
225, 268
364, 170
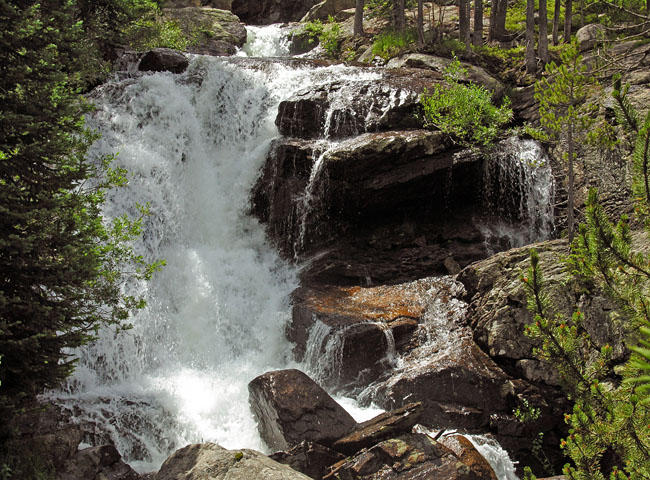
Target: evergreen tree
565, 114
61, 265
609, 424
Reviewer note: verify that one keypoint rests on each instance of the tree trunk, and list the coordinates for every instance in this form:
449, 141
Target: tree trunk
399, 20
571, 187
463, 21
542, 45
478, 23
531, 64
556, 22
358, 18
498, 20
420, 22
566, 38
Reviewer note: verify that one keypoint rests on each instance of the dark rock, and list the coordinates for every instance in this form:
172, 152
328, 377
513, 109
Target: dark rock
100, 463
382, 427
409, 456
310, 458
163, 60
290, 408
265, 12
468, 454
209, 461
301, 41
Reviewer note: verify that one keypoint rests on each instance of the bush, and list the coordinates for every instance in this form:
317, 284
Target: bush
328, 35
390, 44
464, 111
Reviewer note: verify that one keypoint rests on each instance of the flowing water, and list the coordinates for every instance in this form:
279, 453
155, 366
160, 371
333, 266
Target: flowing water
194, 144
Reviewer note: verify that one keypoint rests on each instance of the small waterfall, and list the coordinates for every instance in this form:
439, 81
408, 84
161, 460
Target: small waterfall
268, 41
518, 195
496, 456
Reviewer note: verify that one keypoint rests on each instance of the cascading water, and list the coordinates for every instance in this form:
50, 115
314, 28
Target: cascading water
194, 144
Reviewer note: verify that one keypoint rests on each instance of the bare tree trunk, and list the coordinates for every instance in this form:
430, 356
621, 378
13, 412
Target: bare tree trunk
358, 18
463, 21
568, 7
542, 45
556, 22
399, 20
571, 187
478, 23
498, 20
420, 22
531, 64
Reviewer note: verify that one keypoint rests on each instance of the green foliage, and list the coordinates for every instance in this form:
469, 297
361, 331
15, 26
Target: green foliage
329, 35
61, 265
390, 43
465, 111
608, 417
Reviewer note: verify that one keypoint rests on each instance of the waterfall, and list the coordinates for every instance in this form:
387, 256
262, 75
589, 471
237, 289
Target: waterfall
518, 195
193, 144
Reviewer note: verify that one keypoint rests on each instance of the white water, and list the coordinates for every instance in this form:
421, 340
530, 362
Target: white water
269, 41
194, 144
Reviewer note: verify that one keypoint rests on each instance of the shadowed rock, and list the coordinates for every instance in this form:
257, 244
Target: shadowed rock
290, 407
163, 60
310, 458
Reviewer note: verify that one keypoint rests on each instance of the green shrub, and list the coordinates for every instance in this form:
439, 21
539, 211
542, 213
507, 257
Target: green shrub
390, 44
329, 35
464, 111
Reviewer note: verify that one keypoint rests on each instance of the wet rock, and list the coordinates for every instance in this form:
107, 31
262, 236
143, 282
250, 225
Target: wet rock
339, 109
209, 461
265, 12
327, 8
590, 35
301, 41
382, 427
216, 32
163, 60
475, 74
97, 463
468, 454
290, 408
406, 457
310, 458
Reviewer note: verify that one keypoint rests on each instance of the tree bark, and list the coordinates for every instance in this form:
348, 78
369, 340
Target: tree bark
566, 38
358, 18
478, 23
531, 64
498, 20
399, 20
542, 45
420, 22
556, 22
571, 187
463, 22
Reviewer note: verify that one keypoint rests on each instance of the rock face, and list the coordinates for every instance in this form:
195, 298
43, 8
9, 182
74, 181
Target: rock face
409, 456
216, 32
468, 454
209, 461
310, 458
163, 60
97, 463
327, 8
498, 313
290, 408
265, 12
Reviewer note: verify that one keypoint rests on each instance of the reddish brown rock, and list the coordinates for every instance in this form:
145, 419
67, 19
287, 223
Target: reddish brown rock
290, 407
310, 458
468, 454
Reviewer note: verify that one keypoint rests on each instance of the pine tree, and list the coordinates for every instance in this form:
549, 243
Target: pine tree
61, 265
565, 114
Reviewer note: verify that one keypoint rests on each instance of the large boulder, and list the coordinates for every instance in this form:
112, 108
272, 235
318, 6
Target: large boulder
163, 60
214, 31
590, 35
265, 12
408, 456
468, 454
209, 461
327, 8
290, 407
